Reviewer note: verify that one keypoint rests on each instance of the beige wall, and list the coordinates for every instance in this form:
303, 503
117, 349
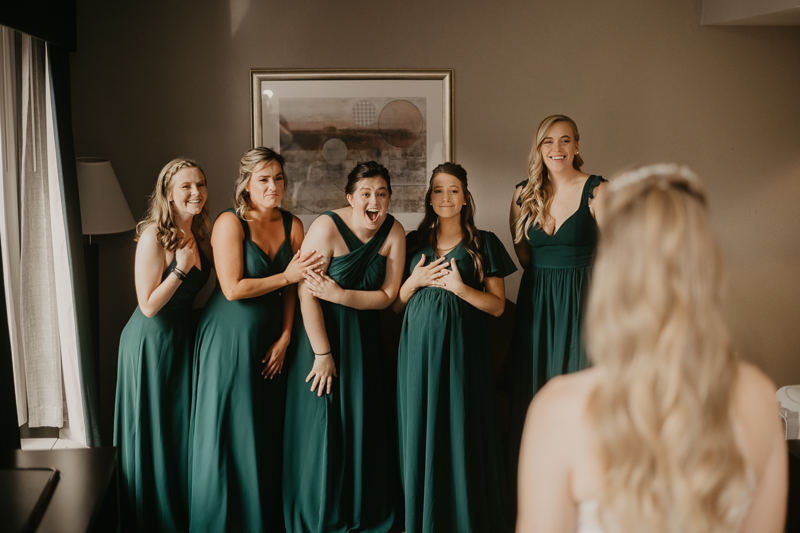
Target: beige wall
644, 81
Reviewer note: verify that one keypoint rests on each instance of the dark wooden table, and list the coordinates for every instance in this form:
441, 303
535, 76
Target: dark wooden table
85, 496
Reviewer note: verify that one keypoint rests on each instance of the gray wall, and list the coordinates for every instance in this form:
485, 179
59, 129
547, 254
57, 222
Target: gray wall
644, 81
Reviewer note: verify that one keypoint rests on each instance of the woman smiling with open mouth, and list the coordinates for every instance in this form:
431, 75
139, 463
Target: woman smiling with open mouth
339, 472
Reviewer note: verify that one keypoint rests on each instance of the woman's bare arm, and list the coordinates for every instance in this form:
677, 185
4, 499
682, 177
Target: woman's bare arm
228, 242
151, 260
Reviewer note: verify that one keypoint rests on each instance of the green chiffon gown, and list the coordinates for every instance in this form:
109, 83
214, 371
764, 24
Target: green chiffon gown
340, 463
151, 418
548, 327
237, 415
450, 454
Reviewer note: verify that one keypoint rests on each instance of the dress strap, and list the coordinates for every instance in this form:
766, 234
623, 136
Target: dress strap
353, 243
522, 184
242, 221
287, 224
591, 183
350, 239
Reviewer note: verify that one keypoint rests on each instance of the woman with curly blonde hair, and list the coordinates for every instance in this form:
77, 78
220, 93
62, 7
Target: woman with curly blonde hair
151, 424
668, 432
554, 221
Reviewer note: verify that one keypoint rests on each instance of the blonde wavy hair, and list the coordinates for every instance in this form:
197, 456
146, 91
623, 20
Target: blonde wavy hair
159, 211
250, 159
656, 332
536, 197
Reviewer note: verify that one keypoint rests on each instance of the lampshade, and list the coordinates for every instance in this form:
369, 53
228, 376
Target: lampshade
103, 206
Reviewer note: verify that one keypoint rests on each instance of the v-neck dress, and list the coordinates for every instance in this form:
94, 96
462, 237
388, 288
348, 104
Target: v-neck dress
548, 327
340, 463
237, 415
151, 416
450, 457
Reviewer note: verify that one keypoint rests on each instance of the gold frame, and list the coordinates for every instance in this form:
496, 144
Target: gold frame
445, 75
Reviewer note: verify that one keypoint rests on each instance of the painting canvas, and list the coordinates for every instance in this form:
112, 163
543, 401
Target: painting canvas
323, 128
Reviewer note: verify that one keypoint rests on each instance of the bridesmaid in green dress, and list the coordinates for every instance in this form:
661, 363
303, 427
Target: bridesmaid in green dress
237, 413
554, 220
151, 419
340, 465
450, 455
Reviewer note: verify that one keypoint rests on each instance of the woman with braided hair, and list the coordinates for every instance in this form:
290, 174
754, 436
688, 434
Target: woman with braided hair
667, 432
554, 221
151, 420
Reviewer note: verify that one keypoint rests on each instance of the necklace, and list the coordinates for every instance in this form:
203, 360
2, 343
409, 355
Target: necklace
441, 251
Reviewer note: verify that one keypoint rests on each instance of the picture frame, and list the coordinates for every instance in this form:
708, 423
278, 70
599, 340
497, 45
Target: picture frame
325, 121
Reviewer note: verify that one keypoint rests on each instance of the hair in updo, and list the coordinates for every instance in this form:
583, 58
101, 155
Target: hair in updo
369, 169
251, 159
428, 228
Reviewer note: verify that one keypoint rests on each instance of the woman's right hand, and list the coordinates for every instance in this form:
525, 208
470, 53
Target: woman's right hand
300, 264
185, 255
323, 372
428, 276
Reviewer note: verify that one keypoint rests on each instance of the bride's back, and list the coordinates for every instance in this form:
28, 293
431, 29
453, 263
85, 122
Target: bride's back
668, 432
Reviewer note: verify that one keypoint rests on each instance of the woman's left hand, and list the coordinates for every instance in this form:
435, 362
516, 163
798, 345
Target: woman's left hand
275, 357
322, 286
452, 281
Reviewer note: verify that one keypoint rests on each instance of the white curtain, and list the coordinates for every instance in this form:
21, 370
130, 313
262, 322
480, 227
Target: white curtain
9, 221
38, 278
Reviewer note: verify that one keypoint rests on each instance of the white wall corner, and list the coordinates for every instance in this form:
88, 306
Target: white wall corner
751, 13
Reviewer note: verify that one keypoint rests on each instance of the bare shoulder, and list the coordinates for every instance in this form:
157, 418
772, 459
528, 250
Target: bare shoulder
149, 244
297, 227
563, 398
758, 415
754, 393
323, 226
322, 236
149, 236
226, 221
398, 231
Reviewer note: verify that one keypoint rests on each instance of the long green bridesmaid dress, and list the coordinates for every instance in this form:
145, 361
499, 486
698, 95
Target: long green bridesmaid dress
548, 327
450, 456
339, 467
237, 415
151, 418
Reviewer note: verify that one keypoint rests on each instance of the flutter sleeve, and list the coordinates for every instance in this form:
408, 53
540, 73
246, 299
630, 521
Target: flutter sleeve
498, 263
411, 245
520, 184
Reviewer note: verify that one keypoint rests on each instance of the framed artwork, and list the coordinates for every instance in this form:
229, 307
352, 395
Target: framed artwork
323, 122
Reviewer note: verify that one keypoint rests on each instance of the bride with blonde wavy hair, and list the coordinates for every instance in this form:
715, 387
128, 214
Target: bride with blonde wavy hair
668, 432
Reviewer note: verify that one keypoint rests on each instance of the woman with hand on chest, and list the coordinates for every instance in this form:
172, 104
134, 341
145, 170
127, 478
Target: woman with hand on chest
450, 456
239, 390
151, 419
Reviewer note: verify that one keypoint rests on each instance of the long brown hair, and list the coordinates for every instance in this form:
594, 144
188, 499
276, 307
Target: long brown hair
657, 335
159, 211
430, 223
536, 196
